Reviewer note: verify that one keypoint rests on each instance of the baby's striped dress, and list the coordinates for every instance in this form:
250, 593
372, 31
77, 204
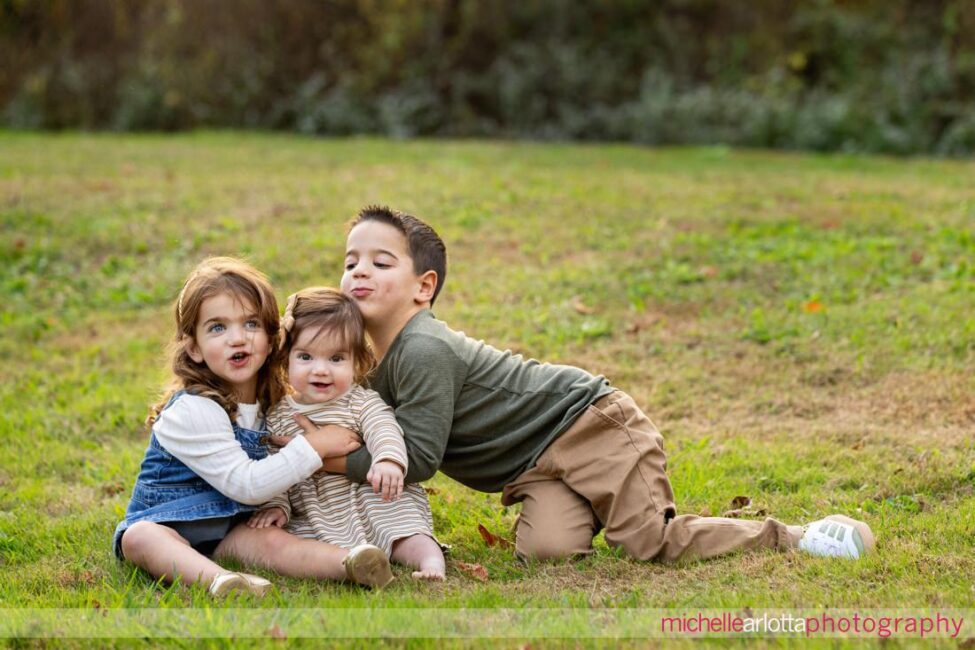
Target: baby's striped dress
330, 507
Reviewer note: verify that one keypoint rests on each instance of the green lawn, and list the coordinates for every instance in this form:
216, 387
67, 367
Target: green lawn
801, 329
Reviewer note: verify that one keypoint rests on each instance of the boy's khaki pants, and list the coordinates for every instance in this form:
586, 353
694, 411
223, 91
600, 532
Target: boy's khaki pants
608, 470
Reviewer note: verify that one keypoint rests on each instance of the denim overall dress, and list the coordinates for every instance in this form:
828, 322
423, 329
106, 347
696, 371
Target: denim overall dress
168, 491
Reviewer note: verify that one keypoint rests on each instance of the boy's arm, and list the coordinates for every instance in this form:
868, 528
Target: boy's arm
427, 378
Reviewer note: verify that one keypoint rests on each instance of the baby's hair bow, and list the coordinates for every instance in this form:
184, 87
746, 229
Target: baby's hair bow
288, 320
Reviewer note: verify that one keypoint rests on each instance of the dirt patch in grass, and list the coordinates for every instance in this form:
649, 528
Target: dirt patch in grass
921, 398
72, 499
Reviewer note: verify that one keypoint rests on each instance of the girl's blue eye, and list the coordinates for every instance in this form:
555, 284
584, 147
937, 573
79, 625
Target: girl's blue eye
304, 356
253, 324
216, 327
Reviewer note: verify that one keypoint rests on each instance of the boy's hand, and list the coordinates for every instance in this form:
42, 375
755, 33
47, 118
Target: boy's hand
386, 476
329, 440
267, 518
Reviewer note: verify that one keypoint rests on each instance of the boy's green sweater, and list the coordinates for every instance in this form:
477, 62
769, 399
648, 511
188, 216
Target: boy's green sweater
479, 415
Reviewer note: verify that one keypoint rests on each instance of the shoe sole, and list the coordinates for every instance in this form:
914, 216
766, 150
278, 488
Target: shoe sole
257, 585
866, 535
233, 583
370, 567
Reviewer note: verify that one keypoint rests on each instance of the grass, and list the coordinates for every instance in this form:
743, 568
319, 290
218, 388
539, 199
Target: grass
801, 328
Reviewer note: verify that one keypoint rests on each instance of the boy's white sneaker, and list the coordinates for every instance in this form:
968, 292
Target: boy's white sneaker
837, 536
368, 565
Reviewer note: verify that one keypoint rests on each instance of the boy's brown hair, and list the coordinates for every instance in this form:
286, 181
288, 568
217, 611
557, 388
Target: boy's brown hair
328, 310
423, 243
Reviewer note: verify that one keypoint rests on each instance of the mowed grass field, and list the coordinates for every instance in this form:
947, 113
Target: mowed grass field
801, 328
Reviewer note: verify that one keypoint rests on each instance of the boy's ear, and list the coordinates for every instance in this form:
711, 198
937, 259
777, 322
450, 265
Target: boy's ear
426, 287
193, 350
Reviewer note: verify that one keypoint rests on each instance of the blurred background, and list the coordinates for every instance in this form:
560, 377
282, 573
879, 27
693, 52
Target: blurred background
890, 76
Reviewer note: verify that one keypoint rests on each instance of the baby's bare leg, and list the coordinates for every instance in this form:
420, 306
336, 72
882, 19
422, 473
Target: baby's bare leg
284, 553
162, 552
422, 553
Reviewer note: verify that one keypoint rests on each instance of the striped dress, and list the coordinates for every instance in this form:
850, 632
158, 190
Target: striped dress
330, 507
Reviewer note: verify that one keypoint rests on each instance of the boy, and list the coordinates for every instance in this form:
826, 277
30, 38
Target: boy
578, 454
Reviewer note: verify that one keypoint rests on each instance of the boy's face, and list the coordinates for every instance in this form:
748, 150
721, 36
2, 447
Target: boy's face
379, 272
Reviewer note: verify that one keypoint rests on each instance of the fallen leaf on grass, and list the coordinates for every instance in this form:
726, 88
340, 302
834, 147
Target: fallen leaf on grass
276, 632
493, 540
644, 321
474, 570
708, 271
73, 580
742, 505
430, 490
916, 257
741, 502
581, 307
101, 186
111, 489
812, 307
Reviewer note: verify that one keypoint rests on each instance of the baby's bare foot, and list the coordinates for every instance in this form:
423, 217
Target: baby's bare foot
429, 574
431, 569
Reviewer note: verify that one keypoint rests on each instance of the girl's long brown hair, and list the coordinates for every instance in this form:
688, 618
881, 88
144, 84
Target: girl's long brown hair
214, 276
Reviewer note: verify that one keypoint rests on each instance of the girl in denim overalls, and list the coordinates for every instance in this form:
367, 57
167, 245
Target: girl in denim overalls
206, 465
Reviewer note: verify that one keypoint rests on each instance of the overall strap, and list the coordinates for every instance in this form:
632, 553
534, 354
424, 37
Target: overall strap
181, 391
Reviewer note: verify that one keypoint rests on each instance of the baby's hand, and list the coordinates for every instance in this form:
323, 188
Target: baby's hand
267, 518
386, 476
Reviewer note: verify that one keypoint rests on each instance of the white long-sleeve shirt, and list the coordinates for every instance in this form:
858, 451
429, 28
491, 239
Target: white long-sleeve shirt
197, 431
